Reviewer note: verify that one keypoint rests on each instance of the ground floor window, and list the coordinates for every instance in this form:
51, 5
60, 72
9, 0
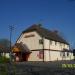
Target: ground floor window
40, 54
67, 53
63, 54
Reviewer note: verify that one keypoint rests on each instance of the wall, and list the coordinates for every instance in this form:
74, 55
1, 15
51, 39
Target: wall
46, 55
53, 46
34, 56
56, 55
31, 42
51, 55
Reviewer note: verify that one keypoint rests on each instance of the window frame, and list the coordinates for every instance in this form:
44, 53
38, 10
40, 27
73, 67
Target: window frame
40, 41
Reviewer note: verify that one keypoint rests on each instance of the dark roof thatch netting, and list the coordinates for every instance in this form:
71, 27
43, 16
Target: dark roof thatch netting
51, 35
4, 45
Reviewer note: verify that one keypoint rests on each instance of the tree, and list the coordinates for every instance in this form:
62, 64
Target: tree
5, 43
4, 48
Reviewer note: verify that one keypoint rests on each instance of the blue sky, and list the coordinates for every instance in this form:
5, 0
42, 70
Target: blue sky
53, 14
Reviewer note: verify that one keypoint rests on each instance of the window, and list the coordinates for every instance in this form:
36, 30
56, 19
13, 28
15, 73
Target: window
50, 42
62, 54
67, 46
41, 41
55, 43
40, 55
60, 44
64, 45
67, 53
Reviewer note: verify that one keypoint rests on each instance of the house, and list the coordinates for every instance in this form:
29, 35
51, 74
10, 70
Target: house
42, 45
4, 51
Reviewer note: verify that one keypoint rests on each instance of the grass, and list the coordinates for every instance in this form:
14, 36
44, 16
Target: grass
3, 69
4, 59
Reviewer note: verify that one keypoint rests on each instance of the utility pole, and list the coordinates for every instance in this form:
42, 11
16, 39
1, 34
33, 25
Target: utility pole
11, 28
43, 48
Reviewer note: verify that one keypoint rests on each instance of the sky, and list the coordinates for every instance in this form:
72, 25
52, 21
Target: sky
52, 14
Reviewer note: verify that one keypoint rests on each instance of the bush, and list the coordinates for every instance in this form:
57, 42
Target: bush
4, 59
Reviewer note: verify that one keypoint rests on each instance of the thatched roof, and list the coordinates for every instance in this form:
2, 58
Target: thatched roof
51, 35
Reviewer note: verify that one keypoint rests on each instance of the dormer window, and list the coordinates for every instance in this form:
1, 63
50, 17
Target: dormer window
50, 42
55, 43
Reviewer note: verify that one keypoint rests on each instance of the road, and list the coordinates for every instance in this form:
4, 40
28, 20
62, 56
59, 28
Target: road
40, 68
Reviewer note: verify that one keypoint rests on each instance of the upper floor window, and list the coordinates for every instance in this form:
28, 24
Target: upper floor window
41, 41
67, 46
55, 43
61, 44
50, 42
64, 45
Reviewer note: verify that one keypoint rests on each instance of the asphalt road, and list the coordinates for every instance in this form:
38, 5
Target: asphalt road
40, 68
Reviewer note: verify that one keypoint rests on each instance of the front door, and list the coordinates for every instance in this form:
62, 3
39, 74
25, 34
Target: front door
25, 56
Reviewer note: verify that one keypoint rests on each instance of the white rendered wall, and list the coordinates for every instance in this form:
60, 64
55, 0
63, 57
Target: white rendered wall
58, 46
55, 55
31, 42
34, 56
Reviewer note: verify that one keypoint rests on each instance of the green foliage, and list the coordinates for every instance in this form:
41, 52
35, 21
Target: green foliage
3, 73
5, 43
4, 59
3, 69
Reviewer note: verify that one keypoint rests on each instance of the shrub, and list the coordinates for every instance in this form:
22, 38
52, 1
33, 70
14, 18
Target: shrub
4, 59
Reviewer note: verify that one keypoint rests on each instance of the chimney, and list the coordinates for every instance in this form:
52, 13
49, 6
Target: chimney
40, 25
